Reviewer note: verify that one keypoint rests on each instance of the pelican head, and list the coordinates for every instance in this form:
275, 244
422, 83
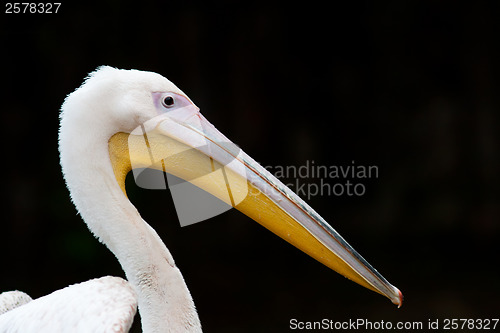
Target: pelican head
113, 100
145, 121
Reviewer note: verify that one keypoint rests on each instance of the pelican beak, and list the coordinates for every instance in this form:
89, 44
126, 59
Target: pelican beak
187, 146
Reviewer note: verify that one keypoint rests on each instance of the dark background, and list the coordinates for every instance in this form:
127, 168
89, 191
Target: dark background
411, 87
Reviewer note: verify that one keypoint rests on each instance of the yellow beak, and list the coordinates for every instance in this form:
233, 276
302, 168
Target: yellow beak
172, 145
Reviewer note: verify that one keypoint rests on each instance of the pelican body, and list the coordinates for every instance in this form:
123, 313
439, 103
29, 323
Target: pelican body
119, 120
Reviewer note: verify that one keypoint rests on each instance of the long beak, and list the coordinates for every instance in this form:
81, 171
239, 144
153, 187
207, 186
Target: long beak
186, 145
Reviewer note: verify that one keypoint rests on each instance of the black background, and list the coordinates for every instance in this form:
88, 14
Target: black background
411, 87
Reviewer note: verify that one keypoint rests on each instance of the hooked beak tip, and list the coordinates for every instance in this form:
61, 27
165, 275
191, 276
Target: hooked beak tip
398, 301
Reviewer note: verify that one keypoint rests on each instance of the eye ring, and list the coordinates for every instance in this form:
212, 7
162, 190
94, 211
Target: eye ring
168, 101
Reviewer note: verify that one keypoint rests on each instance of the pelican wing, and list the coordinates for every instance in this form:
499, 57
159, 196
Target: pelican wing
107, 304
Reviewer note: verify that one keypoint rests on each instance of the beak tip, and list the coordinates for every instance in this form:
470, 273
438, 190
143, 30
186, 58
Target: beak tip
398, 300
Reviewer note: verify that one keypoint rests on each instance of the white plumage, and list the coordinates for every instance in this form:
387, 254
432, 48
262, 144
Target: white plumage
10, 300
107, 304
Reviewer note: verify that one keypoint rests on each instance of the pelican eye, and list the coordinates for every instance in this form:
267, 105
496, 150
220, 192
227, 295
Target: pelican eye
168, 102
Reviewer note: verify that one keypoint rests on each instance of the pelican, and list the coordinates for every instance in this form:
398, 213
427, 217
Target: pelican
103, 127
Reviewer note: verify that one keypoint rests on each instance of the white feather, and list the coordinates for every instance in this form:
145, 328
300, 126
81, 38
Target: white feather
107, 304
12, 299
